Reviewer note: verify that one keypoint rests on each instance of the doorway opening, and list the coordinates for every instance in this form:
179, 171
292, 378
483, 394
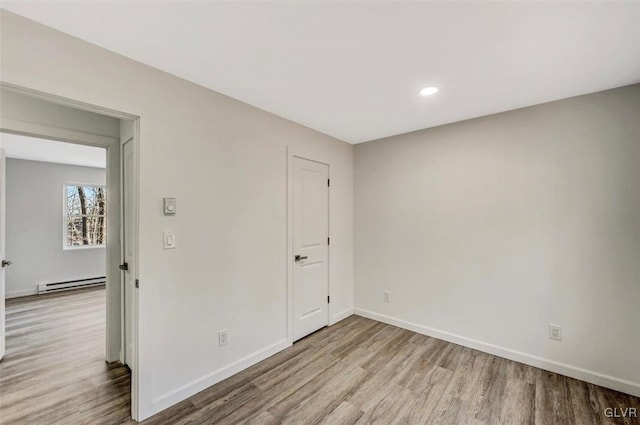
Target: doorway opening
74, 307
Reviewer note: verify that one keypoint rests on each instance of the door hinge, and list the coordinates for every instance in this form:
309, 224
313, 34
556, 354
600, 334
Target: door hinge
328, 299
328, 182
137, 283
328, 241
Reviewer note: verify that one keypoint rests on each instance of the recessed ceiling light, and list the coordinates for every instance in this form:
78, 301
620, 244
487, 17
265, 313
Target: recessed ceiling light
428, 91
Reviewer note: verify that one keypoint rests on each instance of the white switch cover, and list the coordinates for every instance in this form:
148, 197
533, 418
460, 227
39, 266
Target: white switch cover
169, 240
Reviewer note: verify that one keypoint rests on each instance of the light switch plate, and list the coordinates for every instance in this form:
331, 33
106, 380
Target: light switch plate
169, 240
169, 206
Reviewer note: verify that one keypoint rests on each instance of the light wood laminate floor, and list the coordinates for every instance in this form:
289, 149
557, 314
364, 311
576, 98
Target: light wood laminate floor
54, 369
356, 372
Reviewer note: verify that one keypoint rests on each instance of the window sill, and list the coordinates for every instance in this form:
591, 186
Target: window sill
82, 247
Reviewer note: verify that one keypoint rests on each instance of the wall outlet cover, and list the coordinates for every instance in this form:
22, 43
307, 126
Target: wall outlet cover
223, 337
555, 332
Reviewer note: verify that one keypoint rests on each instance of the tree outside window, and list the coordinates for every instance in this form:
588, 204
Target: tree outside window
85, 222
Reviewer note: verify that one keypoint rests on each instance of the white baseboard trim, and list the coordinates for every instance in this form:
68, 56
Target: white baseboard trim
175, 396
341, 316
596, 378
22, 293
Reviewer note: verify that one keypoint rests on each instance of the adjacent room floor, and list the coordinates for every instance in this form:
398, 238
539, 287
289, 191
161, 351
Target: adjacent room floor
356, 372
54, 370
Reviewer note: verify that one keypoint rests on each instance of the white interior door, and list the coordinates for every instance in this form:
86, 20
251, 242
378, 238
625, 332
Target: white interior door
2, 249
128, 249
310, 247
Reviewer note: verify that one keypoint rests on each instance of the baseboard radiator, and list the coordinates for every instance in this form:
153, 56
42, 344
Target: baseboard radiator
45, 288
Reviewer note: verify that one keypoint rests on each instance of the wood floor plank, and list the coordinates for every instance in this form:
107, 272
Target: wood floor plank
393, 407
281, 390
344, 414
582, 403
492, 391
552, 400
519, 405
607, 398
53, 371
264, 418
325, 399
331, 377
432, 389
356, 372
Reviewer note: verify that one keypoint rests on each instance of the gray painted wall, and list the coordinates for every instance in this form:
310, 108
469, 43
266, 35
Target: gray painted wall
18, 107
487, 231
226, 164
34, 240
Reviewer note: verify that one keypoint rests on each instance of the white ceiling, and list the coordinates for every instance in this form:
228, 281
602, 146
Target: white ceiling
353, 69
23, 147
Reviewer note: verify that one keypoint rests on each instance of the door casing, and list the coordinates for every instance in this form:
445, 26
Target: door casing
114, 245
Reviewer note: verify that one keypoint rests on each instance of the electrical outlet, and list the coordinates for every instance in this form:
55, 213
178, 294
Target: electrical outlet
223, 337
386, 296
555, 332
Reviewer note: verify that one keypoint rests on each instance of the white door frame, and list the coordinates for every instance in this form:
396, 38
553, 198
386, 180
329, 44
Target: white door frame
112, 146
291, 154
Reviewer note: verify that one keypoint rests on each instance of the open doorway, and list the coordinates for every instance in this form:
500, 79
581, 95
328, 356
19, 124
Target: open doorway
56, 203
80, 337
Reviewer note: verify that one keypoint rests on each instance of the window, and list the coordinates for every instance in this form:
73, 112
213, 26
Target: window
84, 216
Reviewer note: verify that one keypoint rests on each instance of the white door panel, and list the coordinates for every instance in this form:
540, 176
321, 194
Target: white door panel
2, 250
128, 249
310, 245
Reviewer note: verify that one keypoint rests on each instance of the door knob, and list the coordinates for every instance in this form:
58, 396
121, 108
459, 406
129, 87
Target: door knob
6, 263
299, 257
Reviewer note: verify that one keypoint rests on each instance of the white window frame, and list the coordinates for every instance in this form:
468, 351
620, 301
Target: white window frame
65, 217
